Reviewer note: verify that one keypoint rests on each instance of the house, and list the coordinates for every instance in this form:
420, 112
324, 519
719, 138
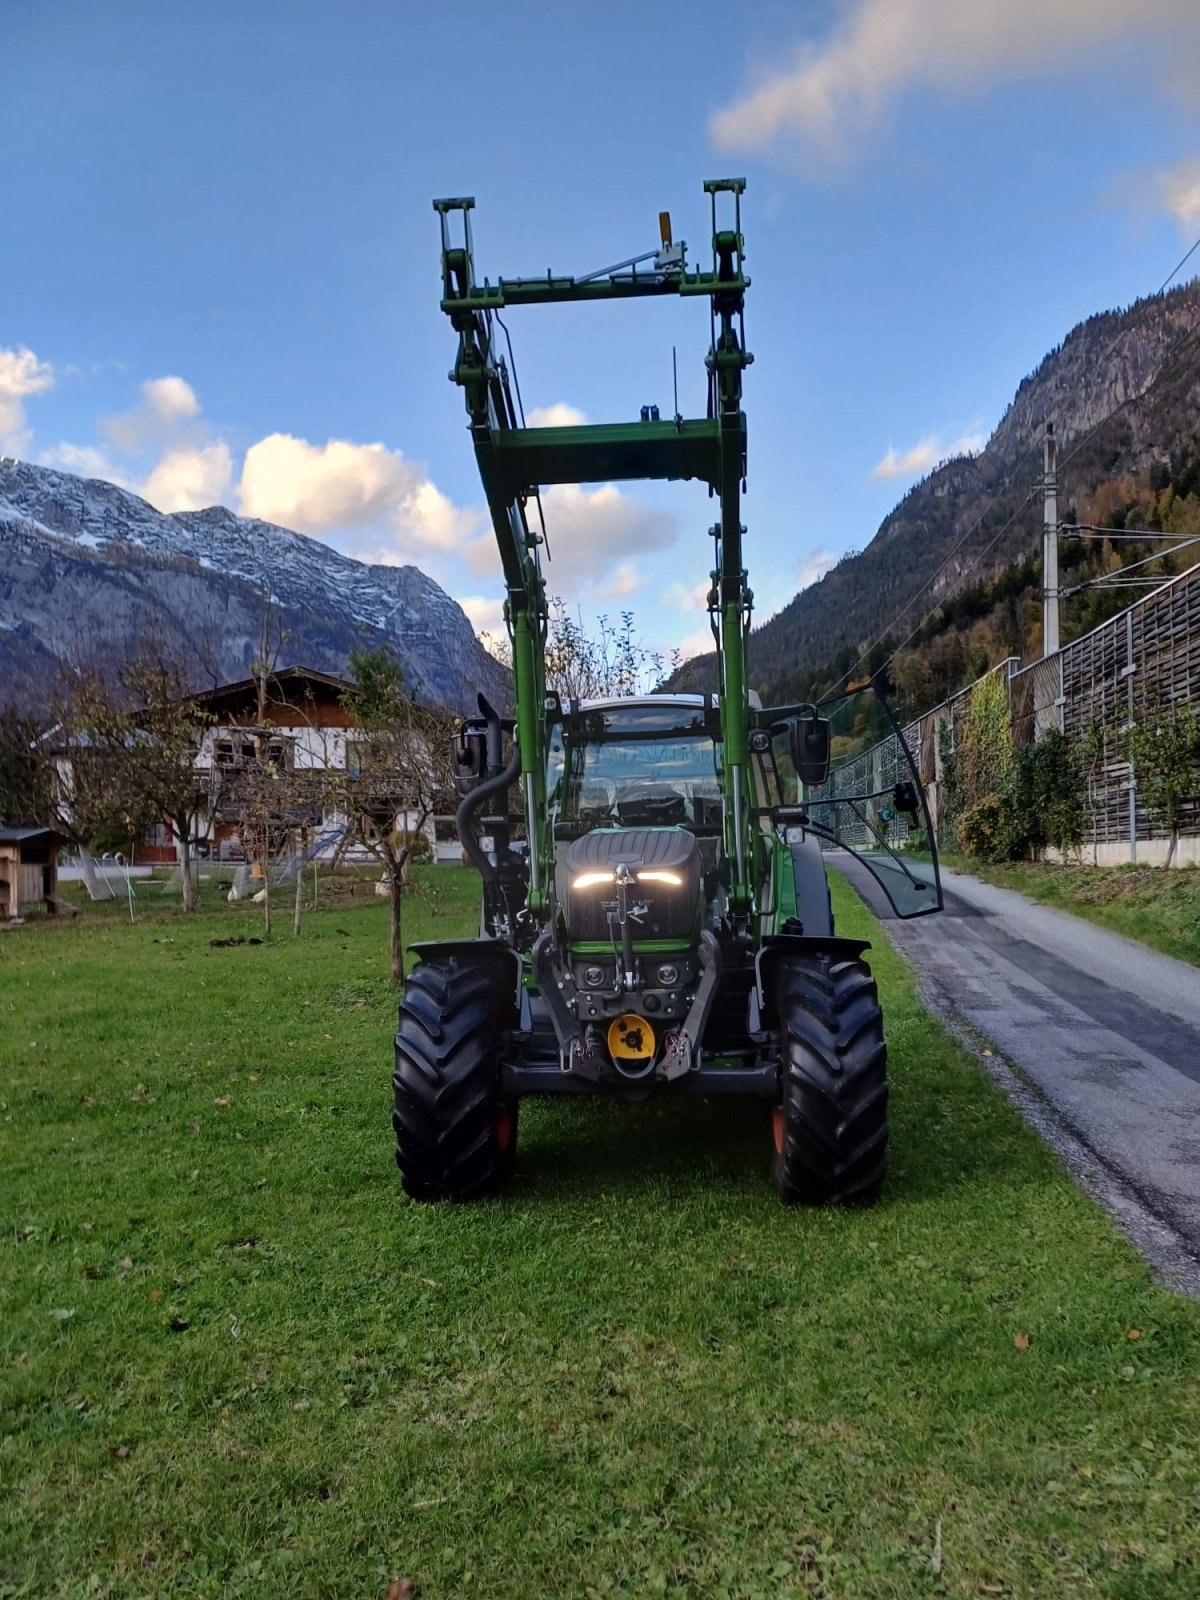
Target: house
280, 759
296, 725
28, 870
292, 723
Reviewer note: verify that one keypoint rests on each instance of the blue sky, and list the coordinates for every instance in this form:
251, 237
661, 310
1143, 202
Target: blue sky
221, 265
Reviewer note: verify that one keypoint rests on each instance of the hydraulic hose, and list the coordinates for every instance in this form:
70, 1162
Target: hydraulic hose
472, 803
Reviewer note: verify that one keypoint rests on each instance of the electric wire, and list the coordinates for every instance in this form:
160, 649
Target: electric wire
1109, 579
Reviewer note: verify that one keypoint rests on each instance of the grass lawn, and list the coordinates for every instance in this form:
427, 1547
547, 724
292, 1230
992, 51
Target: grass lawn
1157, 907
235, 1361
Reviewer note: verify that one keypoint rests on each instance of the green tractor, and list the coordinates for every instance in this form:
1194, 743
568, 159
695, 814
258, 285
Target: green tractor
664, 925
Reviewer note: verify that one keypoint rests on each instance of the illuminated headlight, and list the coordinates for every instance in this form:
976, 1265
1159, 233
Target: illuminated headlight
592, 880
593, 977
668, 975
657, 875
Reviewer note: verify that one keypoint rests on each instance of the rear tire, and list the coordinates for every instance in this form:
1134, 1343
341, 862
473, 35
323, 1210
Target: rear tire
456, 1137
830, 1127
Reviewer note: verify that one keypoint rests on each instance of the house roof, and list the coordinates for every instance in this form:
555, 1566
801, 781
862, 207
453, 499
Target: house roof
285, 677
23, 835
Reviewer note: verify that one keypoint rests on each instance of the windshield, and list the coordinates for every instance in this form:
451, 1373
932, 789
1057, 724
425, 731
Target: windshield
652, 781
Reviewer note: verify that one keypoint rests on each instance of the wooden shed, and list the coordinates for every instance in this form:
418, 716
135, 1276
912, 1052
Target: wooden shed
28, 870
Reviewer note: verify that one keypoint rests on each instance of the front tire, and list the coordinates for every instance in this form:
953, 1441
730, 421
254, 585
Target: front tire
830, 1127
456, 1137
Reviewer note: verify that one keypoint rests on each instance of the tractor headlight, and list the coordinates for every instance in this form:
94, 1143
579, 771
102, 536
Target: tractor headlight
660, 875
592, 880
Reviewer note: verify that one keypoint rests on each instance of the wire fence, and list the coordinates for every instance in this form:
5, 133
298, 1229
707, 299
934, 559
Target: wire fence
1145, 659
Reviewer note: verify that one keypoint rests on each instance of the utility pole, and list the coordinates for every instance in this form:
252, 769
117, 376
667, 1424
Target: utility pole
1050, 546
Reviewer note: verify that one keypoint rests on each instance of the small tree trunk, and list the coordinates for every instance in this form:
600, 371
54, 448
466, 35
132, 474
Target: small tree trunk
395, 890
185, 864
299, 906
1174, 842
266, 894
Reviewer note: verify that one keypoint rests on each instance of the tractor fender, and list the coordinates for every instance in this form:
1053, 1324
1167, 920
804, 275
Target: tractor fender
812, 887
501, 959
781, 945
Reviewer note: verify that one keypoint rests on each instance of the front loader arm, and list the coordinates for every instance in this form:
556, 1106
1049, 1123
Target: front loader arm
515, 461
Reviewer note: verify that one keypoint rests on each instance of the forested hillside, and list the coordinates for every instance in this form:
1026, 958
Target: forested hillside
957, 563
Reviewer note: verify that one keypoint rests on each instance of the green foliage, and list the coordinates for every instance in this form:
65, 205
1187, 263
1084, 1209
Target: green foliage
985, 830
950, 787
1163, 747
1038, 802
1045, 794
379, 697
987, 750
26, 784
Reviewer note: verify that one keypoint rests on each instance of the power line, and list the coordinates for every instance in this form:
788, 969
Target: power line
1076, 448
1112, 579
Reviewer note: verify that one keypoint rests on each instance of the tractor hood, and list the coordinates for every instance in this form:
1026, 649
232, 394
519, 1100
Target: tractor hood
655, 872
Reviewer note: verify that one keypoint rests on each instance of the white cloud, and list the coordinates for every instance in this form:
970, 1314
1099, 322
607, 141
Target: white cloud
318, 488
84, 460
21, 375
1178, 189
559, 415
696, 644
814, 567
687, 596
843, 84
625, 580
923, 455
189, 480
166, 403
594, 536
486, 615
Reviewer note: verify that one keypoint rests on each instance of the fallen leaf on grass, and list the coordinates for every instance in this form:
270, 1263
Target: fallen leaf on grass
127, 1263
155, 1295
221, 1100
1021, 1340
301, 1405
1133, 1333
119, 1451
401, 1589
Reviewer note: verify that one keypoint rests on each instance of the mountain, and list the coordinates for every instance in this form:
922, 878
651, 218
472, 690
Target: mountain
1123, 390
86, 568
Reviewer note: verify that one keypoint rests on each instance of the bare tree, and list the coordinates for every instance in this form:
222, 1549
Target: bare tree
153, 735
90, 776
403, 775
613, 661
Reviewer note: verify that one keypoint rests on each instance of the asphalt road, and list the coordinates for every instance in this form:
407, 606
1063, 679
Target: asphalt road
1095, 1037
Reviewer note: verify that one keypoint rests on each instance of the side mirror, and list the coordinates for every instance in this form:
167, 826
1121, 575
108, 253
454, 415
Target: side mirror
468, 759
809, 738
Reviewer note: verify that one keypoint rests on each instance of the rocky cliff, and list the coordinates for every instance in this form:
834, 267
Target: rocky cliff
1123, 391
87, 568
